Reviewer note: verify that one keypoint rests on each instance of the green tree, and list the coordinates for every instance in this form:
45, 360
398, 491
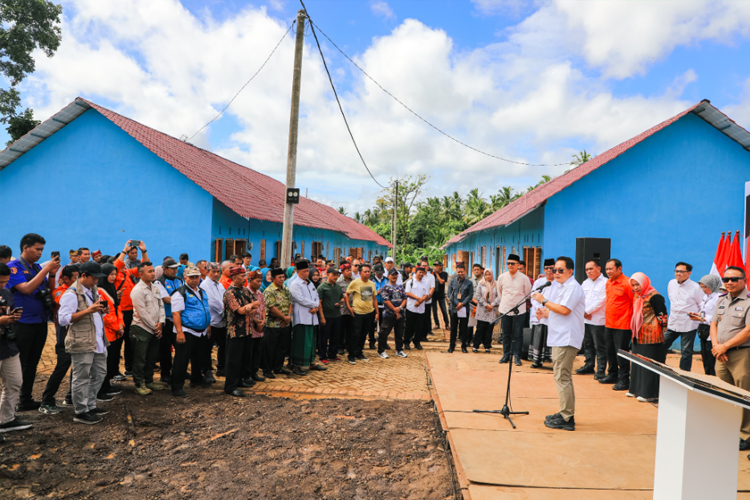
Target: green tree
580, 158
25, 25
342, 211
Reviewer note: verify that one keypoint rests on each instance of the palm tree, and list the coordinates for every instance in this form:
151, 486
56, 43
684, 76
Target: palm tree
580, 158
342, 210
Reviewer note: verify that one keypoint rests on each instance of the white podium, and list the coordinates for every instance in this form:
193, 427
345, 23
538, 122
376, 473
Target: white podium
697, 434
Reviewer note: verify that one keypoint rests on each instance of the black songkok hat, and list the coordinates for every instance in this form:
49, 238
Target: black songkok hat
549, 262
302, 264
514, 257
276, 272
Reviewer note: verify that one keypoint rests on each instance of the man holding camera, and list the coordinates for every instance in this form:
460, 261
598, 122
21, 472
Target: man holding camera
31, 293
82, 311
10, 361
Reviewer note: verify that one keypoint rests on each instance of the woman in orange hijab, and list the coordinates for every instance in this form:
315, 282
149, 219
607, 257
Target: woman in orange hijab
648, 325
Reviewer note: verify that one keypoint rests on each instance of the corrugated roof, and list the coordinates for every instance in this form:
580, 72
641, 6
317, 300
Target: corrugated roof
533, 199
247, 192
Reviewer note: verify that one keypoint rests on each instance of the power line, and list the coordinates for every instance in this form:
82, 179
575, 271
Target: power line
424, 119
336, 95
246, 83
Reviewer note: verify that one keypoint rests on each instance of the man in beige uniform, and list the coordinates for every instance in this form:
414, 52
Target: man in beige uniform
730, 336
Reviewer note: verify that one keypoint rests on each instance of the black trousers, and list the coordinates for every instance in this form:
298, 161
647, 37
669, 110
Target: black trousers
709, 361
483, 334
426, 322
165, 348
362, 324
616, 340
391, 323
113, 358
346, 330
328, 337
256, 355
439, 302
459, 326
184, 353
62, 365
413, 327
278, 343
30, 340
600, 346
219, 338
127, 318
589, 346
375, 327
513, 334
238, 357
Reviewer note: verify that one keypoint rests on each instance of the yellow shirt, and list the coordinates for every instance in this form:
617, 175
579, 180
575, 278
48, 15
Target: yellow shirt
360, 296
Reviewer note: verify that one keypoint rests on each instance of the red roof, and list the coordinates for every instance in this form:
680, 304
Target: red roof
247, 192
531, 200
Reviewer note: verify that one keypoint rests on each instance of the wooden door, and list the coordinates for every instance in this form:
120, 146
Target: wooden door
229, 246
262, 249
218, 245
239, 247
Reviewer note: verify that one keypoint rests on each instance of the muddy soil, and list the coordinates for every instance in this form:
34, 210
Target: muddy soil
211, 446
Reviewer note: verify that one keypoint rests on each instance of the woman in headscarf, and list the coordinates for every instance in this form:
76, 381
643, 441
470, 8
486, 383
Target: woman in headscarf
291, 272
711, 286
315, 277
648, 325
114, 327
267, 279
487, 301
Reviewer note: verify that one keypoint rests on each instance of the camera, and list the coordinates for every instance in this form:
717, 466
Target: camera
6, 329
45, 297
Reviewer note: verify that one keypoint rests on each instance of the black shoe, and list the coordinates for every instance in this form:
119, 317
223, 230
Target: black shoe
166, 379
17, 425
744, 445
407, 347
536, 364
298, 371
247, 383
209, 377
418, 346
269, 375
553, 416
87, 418
128, 373
372, 345
28, 406
258, 378
504, 359
518, 361
585, 370
341, 352
179, 394
463, 349
622, 385
487, 351
450, 350
237, 393
362, 357
598, 376
387, 347
104, 397
474, 349
113, 392
560, 423
318, 367
99, 411
220, 373
609, 379
283, 371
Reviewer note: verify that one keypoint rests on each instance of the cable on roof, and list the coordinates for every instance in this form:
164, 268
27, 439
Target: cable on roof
335, 94
246, 83
424, 119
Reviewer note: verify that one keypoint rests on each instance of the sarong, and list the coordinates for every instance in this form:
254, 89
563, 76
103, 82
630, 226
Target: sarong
303, 345
539, 351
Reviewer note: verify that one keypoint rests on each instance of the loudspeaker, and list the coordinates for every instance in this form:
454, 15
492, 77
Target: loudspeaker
588, 249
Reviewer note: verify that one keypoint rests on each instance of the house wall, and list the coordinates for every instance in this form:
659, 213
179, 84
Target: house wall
91, 184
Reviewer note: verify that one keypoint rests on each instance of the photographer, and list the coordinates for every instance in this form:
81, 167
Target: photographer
10, 362
29, 284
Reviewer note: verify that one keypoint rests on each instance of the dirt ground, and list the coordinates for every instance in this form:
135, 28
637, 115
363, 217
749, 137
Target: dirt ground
211, 446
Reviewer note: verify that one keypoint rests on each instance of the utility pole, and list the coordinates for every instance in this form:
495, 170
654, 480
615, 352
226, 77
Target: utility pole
395, 219
291, 162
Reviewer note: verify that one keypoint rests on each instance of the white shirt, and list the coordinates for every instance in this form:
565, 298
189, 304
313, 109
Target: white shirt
418, 288
568, 330
684, 297
69, 306
548, 293
429, 278
596, 299
708, 306
215, 292
512, 289
178, 305
399, 279
304, 298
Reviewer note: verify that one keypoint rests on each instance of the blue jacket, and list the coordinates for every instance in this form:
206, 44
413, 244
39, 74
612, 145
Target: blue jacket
196, 315
171, 285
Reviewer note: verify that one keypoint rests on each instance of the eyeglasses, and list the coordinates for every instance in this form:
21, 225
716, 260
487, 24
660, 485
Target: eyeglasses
680, 271
512, 263
549, 267
559, 271
355, 265
733, 279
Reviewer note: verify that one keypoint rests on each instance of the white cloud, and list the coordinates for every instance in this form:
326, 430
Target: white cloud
740, 112
382, 9
492, 7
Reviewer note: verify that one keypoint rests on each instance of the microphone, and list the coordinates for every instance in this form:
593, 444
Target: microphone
549, 283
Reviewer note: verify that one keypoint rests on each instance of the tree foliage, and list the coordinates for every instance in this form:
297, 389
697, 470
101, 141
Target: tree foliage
25, 25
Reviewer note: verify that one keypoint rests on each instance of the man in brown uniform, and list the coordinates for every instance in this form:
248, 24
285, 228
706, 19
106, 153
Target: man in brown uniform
730, 336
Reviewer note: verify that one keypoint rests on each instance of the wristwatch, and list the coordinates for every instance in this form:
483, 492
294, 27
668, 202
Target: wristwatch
544, 302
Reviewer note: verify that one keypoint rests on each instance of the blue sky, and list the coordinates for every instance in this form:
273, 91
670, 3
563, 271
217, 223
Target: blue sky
531, 81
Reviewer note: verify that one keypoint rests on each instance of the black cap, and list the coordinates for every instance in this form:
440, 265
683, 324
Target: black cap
170, 262
302, 264
333, 270
549, 262
276, 271
408, 264
91, 268
392, 272
378, 268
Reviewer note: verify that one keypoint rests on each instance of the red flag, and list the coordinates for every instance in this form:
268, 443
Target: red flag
717, 257
747, 255
735, 256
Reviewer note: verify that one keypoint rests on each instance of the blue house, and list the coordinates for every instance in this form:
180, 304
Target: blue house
91, 177
661, 197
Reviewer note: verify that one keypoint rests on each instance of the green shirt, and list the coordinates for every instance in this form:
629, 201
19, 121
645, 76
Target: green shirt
279, 298
330, 296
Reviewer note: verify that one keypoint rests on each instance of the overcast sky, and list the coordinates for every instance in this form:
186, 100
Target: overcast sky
530, 81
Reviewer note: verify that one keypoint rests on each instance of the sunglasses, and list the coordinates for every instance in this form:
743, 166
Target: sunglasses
559, 271
733, 279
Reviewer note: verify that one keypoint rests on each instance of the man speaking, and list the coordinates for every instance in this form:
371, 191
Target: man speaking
565, 331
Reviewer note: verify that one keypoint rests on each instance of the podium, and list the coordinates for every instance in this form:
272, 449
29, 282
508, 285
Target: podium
697, 434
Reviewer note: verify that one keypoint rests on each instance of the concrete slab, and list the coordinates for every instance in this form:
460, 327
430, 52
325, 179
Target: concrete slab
484, 492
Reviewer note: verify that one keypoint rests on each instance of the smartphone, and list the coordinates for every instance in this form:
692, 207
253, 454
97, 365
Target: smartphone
135, 243
17, 310
55, 254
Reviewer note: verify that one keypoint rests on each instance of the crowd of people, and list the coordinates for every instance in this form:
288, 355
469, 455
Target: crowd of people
266, 321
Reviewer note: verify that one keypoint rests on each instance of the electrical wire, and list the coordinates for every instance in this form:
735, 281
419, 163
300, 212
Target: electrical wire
424, 119
246, 83
336, 95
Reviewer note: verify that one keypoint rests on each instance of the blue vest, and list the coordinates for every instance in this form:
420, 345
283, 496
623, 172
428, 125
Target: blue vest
196, 315
171, 285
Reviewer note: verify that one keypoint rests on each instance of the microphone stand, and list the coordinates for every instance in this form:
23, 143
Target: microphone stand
505, 411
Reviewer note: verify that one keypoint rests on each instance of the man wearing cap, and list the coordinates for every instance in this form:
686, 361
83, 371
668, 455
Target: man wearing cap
82, 312
97, 256
379, 280
331, 299
346, 318
192, 328
441, 278
167, 284
539, 351
513, 286
417, 293
215, 292
390, 265
407, 272
240, 307
305, 318
147, 329
278, 330
394, 300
